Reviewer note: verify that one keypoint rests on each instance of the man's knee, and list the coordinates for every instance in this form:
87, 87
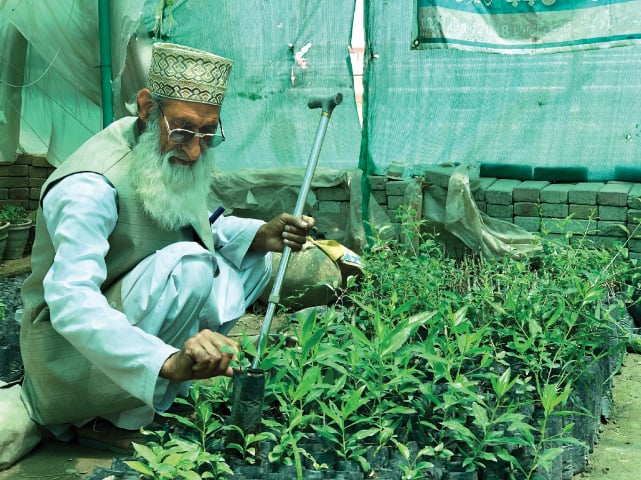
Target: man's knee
193, 275
176, 277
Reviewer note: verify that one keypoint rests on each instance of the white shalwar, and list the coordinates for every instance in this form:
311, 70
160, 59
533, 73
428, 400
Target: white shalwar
167, 298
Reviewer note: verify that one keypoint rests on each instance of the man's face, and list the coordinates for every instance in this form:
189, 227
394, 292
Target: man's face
197, 117
173, 179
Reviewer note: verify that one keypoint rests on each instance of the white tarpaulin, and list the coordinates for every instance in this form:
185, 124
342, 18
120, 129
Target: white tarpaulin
61, 98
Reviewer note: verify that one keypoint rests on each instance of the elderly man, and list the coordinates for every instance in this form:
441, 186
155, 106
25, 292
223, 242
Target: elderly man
132, 287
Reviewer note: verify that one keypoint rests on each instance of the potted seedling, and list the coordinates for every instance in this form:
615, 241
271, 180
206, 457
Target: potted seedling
18, 230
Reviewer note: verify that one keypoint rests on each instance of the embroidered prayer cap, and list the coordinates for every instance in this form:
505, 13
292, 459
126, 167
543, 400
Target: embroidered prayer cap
188, 74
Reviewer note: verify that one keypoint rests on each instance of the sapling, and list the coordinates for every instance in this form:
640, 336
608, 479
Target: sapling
417, 464
345, 427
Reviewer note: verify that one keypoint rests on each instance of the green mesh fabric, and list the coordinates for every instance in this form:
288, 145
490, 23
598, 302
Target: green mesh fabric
267, 121
566, 116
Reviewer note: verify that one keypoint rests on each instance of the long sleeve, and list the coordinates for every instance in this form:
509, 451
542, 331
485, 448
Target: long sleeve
80, 213
233, 237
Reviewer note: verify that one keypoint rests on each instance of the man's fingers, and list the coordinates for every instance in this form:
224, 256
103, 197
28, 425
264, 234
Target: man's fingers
295, 231
211, 352
308, 220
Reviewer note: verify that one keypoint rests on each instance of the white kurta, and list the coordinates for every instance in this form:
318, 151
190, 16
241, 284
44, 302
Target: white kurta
167, 298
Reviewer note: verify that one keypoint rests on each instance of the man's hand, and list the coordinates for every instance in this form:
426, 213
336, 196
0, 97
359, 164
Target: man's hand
201, 357
285, 229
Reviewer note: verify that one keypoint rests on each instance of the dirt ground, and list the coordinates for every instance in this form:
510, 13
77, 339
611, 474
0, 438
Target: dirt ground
617, 456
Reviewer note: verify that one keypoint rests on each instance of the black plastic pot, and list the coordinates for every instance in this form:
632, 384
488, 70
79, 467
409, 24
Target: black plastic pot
287, 470
378, 458
348, 470
313, 475
248, 471
276, 476
344, 475
456, 471
247, 396
494, 471
462, 476
322, 458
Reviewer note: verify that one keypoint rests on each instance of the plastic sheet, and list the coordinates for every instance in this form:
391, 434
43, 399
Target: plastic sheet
453, 211
284, 53
61, 84
258, 193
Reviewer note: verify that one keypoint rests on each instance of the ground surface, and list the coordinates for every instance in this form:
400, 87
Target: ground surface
617, 456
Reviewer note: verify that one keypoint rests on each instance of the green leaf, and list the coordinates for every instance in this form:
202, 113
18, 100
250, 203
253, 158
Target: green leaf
550, 398
354, 402
173, 459
460, 315
487, 456
188, 422
504, 455
594, 294
395, 340
405, 451
190, 475
362, 434
145, 452
547, 457
464, 433
227, 349
398, 410
480, 415
359, 338
332, 411
140, 467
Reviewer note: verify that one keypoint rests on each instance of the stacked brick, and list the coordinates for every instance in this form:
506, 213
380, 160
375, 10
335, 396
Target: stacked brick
378, 187
20, 182
390, 194
605, 213
601, 213
331, 212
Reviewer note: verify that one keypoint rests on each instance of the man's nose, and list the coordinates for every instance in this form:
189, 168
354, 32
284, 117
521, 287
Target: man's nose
193, 149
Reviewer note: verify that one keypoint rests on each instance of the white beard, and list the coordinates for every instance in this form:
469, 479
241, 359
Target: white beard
174, 195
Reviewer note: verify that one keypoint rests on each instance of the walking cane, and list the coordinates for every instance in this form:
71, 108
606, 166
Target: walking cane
248, 389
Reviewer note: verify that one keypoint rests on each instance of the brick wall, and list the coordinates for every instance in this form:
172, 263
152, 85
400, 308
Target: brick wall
602, 212
20, 182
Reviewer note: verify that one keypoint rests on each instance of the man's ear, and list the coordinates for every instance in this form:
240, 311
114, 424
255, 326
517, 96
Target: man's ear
143, 100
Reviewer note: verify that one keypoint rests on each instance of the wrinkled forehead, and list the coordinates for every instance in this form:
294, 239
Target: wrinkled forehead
195, 113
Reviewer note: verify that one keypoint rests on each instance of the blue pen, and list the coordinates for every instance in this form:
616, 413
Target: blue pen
214, 216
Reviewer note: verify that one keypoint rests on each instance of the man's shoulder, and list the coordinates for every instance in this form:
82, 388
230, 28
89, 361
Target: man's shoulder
101, 151
121, 132
113, 141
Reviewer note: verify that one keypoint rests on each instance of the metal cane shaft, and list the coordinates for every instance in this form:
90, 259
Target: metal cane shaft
274, 296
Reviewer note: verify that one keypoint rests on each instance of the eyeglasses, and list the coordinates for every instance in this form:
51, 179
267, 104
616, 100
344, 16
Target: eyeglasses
182, 135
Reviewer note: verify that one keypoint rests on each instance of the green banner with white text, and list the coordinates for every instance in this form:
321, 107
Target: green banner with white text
527, 26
